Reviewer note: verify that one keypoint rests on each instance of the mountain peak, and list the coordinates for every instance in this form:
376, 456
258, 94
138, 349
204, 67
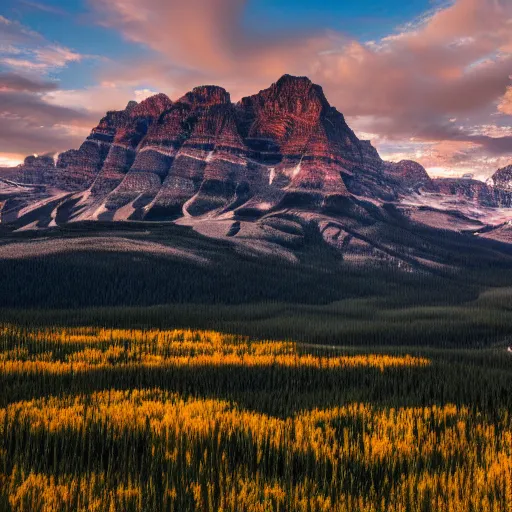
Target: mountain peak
39, 161
502, 178
295, 95
152, 106
160, 159
131, 105
206, 96
287, 78
294, 85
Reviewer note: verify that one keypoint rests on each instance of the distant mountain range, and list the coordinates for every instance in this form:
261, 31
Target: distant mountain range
259, 172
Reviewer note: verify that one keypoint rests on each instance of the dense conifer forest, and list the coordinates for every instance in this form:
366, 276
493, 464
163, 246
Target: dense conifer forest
150, 420
135, 382
320, 299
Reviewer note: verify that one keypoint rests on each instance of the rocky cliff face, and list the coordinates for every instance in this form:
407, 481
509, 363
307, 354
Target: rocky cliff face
35, 169
202, 153
502, 178
203, 156
410, 175
475, 191
292, 127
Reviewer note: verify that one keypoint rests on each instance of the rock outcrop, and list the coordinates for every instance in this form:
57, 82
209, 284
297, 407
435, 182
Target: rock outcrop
36, 170
475, 191
502, 178
410, 175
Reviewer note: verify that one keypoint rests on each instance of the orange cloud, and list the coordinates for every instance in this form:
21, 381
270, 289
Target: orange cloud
505, 105
453, 62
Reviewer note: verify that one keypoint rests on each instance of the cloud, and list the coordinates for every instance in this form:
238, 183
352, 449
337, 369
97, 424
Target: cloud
24, 49
56, 56
29, 123
505, 105
14, 82
142, 94
447, 158
30, 119
209, 41
38, 6
22, 136
41, 60
11, 159
38, 117
453, 62
14, 32
437, 90
94, 100
33, 107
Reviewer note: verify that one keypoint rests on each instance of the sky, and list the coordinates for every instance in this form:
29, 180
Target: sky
427, 80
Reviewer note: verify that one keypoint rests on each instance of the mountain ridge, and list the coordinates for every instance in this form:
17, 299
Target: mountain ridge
239, 170
290, 124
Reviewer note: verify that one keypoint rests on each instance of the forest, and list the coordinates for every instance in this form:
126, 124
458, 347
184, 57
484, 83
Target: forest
95, 418
135, 382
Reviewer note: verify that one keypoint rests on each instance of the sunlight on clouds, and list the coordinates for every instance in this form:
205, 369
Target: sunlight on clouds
491, 130
56, 56
96, 100
10, 159
505, 105
142, 94
74, 130
426, 92
24, 64
22, 48
42, 59
436, 172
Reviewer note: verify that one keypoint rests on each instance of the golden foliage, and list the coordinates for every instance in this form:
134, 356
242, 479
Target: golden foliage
88, 349
152, 449
355, 435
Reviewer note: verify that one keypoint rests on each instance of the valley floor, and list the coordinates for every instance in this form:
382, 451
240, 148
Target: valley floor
149, 368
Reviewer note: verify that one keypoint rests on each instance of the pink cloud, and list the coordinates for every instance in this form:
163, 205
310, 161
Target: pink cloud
454, 63
25, 50
29, 121
56, 56
505, 105
433, 81
14, 82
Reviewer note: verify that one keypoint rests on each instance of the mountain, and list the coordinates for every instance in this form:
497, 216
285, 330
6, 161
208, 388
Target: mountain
261, 173
502, 178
